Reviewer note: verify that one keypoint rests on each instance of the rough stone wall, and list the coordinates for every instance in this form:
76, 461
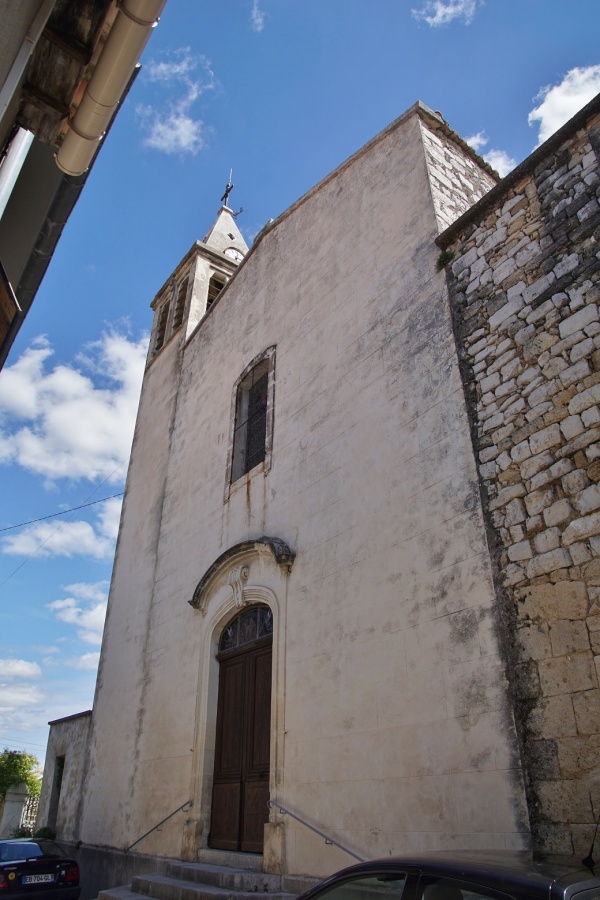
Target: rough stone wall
457, 180
526, 294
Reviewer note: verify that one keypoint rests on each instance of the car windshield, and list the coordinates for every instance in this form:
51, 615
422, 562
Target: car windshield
368, 887
14, 850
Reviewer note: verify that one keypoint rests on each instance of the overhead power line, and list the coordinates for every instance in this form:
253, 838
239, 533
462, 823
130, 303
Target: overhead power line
63, 513
61, 524
19, 745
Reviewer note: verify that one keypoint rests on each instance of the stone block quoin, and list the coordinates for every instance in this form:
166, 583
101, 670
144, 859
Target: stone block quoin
524, 283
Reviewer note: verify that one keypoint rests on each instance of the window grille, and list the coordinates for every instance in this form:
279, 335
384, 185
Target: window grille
250, 420
29, 812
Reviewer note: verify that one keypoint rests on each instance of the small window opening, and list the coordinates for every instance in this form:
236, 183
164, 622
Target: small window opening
215, 286
180, 305
250, 421
161, 327
59, 770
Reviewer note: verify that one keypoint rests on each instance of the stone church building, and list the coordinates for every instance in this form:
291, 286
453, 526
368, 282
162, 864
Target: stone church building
355, 590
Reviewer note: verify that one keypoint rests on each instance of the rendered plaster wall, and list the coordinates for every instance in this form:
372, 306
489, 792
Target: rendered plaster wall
126, 663
391, 727
68, 739
526, 289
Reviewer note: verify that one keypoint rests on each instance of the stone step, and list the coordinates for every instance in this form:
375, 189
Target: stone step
123, 892
178, 880
235, 879
164, 887
231, 859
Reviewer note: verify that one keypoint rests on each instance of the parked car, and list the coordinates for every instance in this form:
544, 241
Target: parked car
483, 875
37, 868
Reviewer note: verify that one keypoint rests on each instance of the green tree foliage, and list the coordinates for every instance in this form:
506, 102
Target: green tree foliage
18, 767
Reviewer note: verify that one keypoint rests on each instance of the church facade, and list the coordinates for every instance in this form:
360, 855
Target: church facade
355, 586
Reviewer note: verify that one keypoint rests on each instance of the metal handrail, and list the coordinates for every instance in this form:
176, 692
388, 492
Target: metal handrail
326, 838
184, 806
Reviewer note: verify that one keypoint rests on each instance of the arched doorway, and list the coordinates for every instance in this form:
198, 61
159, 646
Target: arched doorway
240, 795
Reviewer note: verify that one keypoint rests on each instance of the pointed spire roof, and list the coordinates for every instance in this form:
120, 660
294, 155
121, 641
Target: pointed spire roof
225, 234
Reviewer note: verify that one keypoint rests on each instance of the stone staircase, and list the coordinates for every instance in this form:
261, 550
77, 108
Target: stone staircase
210, 881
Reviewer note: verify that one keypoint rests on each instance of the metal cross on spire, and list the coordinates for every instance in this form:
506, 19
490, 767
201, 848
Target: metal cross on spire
228, 189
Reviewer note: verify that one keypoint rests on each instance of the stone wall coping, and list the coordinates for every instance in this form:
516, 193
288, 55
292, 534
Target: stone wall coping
492, 198
80, 715
434, 119
420, 109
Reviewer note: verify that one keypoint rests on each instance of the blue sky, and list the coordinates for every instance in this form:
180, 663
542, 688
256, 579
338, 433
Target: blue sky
281, 91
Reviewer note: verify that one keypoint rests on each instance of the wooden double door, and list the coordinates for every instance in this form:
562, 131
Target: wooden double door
241, 775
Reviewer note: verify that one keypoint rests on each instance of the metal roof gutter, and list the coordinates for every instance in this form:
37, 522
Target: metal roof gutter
127, 38
63, 203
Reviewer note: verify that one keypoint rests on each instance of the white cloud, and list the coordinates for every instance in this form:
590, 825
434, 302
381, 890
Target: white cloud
19, 668
21, 707
257, 17
175, 133
178, 69
15, 698
87, 662
67, 538
87, 615
477, 141
171, 128
561, 101
441, 12
109, 515
89, 590
499, 160
67, 422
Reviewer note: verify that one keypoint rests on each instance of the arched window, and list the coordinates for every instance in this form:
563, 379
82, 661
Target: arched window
249, 626
253, 416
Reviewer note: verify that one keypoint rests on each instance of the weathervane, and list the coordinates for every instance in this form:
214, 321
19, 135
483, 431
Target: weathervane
225, 197
228, 189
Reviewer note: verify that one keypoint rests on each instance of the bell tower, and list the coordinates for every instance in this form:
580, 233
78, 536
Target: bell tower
190, 291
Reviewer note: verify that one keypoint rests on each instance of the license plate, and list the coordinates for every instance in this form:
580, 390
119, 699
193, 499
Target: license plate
37, 879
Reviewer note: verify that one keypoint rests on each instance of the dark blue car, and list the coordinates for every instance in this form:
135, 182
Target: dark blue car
37, 868
482, 875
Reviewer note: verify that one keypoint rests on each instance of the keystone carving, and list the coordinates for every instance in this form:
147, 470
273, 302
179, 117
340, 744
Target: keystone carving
281, 553
237, 578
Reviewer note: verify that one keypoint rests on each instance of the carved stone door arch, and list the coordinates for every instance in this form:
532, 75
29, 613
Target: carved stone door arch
254, 573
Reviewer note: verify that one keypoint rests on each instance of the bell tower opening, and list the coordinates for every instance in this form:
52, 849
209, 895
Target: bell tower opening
215, 286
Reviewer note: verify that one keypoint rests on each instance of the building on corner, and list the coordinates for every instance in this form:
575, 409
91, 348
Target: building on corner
65, 68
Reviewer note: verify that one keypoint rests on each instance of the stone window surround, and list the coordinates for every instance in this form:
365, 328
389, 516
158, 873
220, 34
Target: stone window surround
263, 467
